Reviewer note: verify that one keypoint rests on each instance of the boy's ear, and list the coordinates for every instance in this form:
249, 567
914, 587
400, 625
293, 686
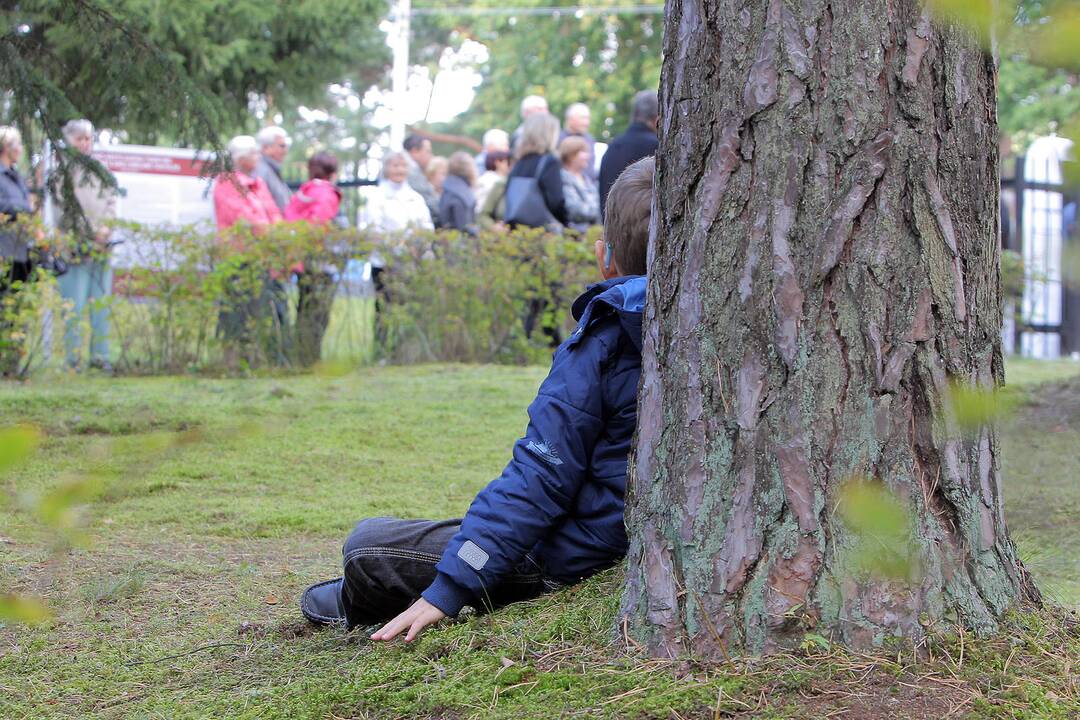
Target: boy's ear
606, 264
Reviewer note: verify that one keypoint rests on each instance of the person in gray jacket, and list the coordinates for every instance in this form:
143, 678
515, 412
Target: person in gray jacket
457, 206
273, 147
580, 191
419, 153
14, 201
88, 280
14, 249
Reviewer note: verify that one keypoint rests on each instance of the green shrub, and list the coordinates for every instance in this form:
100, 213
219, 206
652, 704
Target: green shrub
491, 298
196, 300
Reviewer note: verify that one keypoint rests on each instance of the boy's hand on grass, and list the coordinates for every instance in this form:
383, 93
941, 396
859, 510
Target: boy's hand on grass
419, 615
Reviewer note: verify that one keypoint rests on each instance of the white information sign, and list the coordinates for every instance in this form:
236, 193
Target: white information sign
158, 186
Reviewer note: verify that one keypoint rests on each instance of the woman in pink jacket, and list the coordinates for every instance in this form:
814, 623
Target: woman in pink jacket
318, 199
317, 202
248, 314
239, 195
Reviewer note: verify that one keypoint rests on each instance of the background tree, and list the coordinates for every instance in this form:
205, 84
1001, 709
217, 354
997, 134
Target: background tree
598, 59
824, 269
1038, 92
188, 73
185, 73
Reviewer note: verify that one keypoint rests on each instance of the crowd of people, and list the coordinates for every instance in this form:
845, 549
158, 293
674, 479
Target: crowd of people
542, 174
84, 272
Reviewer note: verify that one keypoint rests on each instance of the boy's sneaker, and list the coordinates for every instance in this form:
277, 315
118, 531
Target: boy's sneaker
321, 603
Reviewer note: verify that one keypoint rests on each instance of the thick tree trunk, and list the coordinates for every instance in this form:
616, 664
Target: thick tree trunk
824, 264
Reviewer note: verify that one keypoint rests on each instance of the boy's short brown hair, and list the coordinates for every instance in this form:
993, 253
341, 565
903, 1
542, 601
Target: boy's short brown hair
627, 215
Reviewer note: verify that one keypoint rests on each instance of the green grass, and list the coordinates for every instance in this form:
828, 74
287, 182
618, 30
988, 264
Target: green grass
1041, 465
1023, 372
221, 500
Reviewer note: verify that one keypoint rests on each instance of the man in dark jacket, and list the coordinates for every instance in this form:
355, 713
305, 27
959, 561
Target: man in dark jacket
555, 515
637, 142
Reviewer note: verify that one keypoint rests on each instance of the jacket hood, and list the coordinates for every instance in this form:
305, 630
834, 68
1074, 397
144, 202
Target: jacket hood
625, 296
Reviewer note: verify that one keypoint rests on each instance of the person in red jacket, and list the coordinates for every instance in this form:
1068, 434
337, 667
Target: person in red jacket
240, 198
239, 195
317, 202
319, 199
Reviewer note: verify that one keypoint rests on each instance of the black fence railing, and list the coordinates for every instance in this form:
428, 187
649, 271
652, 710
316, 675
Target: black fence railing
1050, 243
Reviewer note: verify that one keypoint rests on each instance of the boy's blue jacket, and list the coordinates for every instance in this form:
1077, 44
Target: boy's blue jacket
557, 508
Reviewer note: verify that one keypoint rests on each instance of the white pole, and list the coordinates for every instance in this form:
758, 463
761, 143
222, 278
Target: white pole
400, 73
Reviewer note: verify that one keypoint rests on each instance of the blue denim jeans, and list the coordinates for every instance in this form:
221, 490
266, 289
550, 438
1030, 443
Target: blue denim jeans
389, 562
87, 283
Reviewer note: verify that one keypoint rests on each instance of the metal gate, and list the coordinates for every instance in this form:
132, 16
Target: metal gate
1039, 222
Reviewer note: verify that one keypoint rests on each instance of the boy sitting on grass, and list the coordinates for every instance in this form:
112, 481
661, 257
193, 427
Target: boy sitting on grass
555, 515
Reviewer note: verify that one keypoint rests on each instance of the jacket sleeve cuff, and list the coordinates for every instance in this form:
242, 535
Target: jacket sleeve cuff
447, 595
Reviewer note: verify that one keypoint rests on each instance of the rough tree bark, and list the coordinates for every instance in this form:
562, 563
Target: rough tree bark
824, 262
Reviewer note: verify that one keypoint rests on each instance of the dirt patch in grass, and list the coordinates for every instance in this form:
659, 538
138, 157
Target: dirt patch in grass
879, 696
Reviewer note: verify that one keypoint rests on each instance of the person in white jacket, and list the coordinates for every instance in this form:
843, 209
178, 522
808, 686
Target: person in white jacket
392, 209
392, 206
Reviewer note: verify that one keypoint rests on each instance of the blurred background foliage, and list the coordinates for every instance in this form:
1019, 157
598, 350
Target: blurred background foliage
1039, 65
598, 59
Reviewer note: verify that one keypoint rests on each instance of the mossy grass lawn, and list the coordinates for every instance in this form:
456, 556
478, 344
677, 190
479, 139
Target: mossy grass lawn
216, 501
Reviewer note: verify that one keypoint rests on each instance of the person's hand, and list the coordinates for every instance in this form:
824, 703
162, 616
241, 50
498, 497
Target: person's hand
419, 615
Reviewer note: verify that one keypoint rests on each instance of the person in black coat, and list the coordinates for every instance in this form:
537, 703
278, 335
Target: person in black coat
637, 142
539, 135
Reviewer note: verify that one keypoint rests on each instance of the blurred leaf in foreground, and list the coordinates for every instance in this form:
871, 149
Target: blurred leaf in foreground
978, 15
58, 508
1055, 42
974, 406
882, 529
16, 444
23, 610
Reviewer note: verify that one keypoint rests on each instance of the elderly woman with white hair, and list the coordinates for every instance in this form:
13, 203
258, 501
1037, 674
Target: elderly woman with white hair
393, 206
239, 196
392, 209
88, 280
